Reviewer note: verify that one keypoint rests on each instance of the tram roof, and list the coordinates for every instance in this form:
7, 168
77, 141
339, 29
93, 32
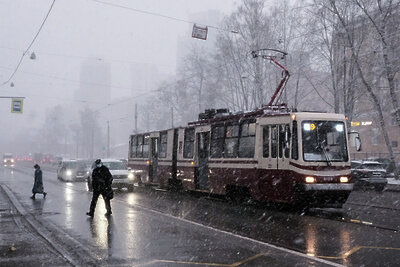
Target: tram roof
267, 112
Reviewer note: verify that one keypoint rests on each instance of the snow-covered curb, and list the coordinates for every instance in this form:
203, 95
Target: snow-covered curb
393, 181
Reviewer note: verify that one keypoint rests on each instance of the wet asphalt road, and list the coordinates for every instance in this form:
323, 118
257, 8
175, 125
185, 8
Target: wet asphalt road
157, 228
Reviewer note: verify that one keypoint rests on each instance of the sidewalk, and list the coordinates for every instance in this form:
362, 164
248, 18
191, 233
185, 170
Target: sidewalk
20, 245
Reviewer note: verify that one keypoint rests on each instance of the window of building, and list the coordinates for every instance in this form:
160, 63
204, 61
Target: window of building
375, 136
217, 141
188, 147
163, 145
394, 144
247, 140
231, 141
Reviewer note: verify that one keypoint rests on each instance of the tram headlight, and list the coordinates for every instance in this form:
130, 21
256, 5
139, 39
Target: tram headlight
310, 179
344, 179
130, 176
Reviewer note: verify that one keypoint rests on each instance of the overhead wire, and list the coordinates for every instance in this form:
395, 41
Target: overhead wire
159, 15
29, 46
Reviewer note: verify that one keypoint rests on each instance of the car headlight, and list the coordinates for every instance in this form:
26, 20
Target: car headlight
12, 160
5, 160
69, 173
130, 176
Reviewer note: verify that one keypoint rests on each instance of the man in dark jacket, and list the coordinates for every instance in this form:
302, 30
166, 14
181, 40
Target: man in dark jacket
101, 184
38, 184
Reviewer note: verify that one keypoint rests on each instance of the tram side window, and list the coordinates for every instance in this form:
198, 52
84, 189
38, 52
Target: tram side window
247, 140
188, 147
163, 145
266, 141
146, 142
231, 141
274, 141
295, 146
133, 146
217, 141
139, 147
287, 141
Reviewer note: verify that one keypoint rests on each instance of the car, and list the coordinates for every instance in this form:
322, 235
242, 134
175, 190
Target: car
388, 165
368, 174
122, 176
8, 160
72, 170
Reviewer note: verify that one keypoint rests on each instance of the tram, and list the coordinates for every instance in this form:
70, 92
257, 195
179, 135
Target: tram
273, 154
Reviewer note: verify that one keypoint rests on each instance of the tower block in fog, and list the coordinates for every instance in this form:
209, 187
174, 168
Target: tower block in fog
95, 79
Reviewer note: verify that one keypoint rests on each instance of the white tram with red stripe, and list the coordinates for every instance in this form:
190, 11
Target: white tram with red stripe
272, 154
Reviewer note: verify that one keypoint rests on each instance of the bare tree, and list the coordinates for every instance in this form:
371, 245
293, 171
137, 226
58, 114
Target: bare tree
384, 17
341, 11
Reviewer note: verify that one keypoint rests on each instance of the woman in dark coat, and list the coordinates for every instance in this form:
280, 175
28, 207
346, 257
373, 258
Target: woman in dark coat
38, 184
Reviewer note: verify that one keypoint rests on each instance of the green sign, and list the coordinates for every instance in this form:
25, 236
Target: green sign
17, 105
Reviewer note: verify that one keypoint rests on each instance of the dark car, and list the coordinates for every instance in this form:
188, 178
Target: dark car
388, 165
72, 170
368, 174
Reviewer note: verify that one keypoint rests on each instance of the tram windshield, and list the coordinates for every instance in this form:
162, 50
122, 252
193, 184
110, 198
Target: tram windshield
324, 141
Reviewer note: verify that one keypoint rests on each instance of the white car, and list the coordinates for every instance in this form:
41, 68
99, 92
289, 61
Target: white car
122, 177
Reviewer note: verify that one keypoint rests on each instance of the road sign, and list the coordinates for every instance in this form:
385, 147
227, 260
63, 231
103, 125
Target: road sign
199, 32
17, 105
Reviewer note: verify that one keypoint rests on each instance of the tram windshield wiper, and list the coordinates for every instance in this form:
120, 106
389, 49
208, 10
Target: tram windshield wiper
322, 146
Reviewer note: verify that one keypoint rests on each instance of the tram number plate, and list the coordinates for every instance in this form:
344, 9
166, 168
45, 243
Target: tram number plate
329, 179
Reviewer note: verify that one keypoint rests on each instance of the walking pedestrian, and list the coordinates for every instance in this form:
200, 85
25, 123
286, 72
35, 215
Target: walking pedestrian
38, 183
101, 184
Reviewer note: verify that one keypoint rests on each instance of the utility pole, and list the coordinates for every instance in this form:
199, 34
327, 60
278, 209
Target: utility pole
108, 139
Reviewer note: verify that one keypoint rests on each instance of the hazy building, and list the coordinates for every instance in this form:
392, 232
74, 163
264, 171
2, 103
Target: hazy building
95, 80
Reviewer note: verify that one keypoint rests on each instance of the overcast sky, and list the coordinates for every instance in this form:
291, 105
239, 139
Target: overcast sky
80, 29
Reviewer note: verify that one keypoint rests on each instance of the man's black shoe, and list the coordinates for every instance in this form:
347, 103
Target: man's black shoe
108, 214
89, 214
44, 195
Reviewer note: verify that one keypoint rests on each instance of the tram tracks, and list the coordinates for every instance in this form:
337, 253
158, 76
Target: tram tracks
56, 239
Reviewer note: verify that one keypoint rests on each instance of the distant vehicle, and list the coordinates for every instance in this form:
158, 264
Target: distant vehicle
388, 165
122, 177
368, 174
8, 160
72, 170
47, 159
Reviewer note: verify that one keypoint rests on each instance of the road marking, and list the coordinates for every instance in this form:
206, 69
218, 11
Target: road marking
354, 250
232, 234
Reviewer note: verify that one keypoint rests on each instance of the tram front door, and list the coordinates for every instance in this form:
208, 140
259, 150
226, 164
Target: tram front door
203, 141
154, 160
